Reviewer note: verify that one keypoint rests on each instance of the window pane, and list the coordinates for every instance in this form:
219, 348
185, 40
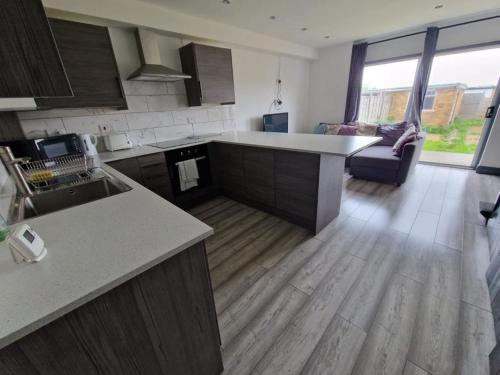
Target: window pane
385, 91
428, 103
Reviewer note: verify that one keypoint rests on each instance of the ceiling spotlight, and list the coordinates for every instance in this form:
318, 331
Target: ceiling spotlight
272, 17
227, 2
304, 29
439, 6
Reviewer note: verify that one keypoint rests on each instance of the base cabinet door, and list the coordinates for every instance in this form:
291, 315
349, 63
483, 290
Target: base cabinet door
161, 322
296, 176
258, 168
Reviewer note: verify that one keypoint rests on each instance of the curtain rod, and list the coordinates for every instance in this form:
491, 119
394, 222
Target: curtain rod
440, 28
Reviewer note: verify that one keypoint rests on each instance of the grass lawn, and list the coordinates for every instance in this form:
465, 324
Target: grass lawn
461, 136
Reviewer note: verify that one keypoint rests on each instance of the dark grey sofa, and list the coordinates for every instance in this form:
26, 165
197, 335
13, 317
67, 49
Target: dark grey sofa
378, 163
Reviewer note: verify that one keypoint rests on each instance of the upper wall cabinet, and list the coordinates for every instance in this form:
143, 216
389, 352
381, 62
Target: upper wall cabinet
30, 63
88, 57
212, 72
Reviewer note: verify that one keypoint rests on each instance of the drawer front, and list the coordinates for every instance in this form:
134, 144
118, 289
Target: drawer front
156, 170
152, 160
129, 167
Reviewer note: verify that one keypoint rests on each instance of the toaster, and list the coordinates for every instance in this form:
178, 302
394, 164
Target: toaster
117, 141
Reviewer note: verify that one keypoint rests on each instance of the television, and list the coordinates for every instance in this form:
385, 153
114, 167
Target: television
276, 122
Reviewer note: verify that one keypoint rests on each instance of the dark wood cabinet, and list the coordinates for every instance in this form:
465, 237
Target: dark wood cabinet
258, 169
31, 65
300, 187
88, 57
150, 171
297, 186
160, 322
211, 69
229, 165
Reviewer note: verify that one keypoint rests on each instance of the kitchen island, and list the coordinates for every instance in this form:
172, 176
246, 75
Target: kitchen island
297, 177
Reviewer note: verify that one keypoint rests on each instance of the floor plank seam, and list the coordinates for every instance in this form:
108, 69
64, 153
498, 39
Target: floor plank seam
477, 307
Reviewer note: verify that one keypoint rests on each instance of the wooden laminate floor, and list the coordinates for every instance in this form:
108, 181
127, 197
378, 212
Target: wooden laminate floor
394, 285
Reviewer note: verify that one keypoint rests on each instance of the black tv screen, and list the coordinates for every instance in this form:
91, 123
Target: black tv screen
276, 122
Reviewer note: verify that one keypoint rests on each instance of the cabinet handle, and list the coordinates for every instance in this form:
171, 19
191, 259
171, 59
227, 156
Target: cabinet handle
201, 94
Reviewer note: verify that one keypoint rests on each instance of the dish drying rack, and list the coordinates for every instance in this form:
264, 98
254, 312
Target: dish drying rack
49, 173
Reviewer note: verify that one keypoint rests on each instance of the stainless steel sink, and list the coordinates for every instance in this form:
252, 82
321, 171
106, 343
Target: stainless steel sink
70, 196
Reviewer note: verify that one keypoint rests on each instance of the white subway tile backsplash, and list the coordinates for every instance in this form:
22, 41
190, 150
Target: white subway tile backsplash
144, 88
149, 120
157, 112
180, 117
173, 132
142, 137
164, 102
39, 128
209, 128
176, 88
198, 115
91, 124
227, 112
229, 125
214, 114
137, 104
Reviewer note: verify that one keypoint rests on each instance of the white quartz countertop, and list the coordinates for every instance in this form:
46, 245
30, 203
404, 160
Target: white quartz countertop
91, 248
312, 143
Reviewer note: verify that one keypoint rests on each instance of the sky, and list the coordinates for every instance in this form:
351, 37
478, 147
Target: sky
474, 68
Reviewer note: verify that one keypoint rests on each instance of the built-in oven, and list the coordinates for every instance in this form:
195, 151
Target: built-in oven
200, 154
46, 148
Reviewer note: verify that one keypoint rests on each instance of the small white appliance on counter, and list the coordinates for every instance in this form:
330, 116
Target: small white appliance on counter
89, 142
117, 141
26, 245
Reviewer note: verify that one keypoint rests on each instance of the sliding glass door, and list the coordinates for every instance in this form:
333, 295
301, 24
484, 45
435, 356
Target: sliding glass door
461, 87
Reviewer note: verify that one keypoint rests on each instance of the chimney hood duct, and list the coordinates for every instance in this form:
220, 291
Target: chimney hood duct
151, 68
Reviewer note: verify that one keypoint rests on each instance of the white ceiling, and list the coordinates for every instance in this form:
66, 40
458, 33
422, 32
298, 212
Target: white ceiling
342, 20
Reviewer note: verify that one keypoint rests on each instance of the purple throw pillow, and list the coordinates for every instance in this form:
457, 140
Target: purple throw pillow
390, 133
347, 130
410, 135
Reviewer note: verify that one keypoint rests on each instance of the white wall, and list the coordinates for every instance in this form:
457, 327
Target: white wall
158, 111
328, 87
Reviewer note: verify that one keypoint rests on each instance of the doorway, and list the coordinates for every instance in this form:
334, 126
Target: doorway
462, 86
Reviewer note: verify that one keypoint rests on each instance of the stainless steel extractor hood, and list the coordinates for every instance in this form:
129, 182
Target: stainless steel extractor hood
151, 68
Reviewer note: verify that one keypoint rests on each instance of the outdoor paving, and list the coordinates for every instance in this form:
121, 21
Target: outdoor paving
450, 158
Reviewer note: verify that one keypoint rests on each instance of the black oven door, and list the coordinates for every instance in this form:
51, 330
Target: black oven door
58, 146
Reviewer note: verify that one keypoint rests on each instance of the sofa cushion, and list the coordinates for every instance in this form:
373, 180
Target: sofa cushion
347, 130
320, 129
380, 157
410, 135
332, 129
368, 130
390, 133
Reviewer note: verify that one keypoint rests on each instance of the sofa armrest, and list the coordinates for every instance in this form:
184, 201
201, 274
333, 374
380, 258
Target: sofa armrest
409, 158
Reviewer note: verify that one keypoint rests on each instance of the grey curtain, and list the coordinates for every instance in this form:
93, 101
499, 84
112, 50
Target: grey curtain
358, 58
416, 101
